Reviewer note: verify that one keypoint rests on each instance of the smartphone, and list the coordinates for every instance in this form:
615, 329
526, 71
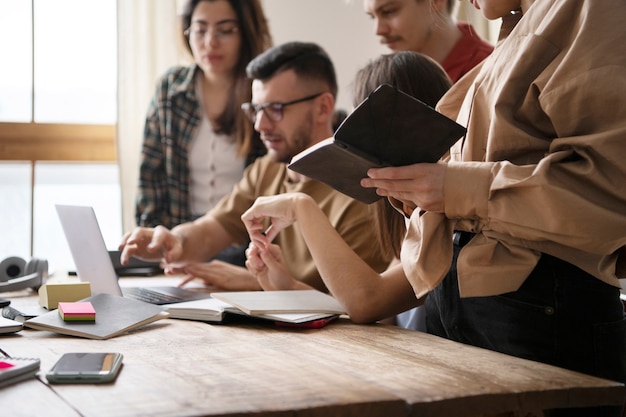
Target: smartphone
85, 368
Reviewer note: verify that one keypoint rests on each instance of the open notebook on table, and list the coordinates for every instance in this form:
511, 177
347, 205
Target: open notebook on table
94, 265
300, 306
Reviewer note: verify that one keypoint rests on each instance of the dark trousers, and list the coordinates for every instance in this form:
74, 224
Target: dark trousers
561, 316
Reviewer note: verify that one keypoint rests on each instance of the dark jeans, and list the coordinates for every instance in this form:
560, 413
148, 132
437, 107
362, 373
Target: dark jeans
561, 316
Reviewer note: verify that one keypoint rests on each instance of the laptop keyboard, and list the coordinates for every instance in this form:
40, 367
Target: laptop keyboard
150, 296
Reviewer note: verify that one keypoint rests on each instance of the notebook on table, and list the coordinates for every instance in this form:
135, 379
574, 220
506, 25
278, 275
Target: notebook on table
93, 262
9, 326
13, 370
293, 306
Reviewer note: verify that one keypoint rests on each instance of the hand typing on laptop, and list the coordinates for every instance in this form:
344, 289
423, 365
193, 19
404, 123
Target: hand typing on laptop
95, 265
184, 249
153, 244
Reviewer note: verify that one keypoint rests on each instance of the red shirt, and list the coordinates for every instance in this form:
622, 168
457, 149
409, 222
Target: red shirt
468, 52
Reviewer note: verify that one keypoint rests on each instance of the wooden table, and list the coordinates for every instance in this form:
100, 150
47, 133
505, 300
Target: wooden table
185, 368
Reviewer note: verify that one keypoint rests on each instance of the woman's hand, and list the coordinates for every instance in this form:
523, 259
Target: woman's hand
280, 210
221, 275
417, 185
268, 265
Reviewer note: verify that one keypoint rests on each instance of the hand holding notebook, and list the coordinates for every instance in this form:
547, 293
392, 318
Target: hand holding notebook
389, 128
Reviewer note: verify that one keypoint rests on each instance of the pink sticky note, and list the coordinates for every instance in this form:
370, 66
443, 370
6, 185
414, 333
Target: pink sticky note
80, 310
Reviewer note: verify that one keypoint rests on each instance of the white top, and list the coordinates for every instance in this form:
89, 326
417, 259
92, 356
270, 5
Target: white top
214, 164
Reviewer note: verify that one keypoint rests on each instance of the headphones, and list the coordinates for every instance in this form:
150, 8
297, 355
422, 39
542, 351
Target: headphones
17, 274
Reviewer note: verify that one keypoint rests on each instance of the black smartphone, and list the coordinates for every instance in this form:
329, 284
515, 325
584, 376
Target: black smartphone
85, 368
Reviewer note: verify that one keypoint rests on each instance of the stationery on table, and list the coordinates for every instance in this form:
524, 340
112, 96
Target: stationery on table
9, 326
115, 316
23, 313
389, 128
13, 370
294, 307
77, 311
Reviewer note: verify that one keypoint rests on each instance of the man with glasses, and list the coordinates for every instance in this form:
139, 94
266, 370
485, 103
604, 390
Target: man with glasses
293, 97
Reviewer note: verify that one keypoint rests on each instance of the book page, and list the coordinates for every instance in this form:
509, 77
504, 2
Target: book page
278, 302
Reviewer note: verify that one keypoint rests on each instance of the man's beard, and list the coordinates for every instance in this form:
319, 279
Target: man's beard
300, 140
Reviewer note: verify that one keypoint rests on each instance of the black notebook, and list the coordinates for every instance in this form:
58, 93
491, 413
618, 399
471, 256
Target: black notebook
389, 128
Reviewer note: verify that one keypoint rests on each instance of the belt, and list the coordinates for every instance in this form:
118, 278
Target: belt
460, 238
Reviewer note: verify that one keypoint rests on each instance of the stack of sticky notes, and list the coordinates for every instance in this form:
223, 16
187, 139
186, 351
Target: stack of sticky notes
50, 294
77, 311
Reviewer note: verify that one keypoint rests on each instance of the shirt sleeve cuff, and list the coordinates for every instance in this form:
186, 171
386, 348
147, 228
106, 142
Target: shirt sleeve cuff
466, 190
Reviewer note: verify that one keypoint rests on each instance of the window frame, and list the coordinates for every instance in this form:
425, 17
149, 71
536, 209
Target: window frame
57, 142
33, 141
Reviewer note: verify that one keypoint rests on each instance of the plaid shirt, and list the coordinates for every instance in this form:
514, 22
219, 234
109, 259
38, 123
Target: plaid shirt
173, 117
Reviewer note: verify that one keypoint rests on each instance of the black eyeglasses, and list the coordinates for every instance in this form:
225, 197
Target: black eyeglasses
273, 111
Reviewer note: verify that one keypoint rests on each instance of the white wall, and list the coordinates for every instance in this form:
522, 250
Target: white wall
341, 27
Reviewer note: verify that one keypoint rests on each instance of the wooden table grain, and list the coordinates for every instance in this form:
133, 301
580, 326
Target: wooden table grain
186, 368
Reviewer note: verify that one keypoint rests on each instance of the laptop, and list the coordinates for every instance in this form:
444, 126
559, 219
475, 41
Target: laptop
94, 265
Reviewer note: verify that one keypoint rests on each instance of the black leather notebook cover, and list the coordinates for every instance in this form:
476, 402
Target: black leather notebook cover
389, 128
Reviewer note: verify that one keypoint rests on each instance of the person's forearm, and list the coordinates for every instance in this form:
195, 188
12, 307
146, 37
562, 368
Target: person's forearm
362, 291
202, 239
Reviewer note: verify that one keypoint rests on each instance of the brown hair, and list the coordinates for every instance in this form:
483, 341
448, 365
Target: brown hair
306, 59
421, 77
255, 38
450, 6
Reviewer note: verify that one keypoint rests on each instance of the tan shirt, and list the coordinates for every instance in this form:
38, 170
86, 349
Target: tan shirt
542, 168
349, 217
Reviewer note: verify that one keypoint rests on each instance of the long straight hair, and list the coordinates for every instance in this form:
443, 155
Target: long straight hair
255, 38
421, 77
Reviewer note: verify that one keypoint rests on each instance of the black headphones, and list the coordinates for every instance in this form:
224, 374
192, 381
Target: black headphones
17, 274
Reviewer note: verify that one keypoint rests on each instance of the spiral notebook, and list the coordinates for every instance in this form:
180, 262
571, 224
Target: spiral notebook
13, 370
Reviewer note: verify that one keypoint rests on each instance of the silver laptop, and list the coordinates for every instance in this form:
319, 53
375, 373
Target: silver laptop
94, 265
